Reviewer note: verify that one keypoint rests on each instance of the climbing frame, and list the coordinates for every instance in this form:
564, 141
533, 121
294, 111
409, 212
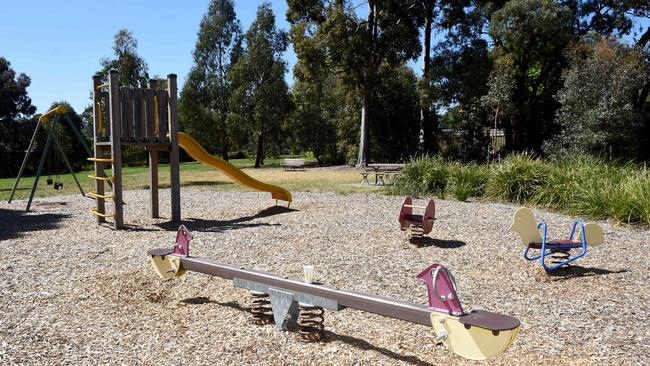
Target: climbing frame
124, 116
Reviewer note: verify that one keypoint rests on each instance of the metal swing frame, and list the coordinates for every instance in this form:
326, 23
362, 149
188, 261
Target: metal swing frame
56, 113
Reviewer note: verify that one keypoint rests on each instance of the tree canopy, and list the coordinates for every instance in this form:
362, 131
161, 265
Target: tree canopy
204, 105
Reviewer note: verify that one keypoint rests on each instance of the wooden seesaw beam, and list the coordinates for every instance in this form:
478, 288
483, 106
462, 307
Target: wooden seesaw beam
475, 335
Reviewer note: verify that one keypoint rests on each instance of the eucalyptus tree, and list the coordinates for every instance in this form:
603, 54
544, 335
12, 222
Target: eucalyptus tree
204, 106
131, 66
260, 98
356, 47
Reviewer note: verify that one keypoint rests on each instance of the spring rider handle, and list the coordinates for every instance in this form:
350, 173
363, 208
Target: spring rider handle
182, 245
441, 289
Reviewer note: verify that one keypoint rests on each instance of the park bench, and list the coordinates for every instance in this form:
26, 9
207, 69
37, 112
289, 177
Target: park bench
293, 164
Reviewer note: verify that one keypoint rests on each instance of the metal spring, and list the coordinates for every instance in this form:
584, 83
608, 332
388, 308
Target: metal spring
310, 323
560, 255
261, 311
416, 231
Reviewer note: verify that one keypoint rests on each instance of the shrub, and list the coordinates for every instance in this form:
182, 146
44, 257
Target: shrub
467, 180
632, 204
517, 178
582, 185
423, 175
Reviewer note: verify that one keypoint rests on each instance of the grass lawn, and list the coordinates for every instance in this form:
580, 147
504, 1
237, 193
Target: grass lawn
342, 180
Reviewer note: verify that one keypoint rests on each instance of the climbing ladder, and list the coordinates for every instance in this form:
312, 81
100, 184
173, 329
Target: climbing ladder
135, 116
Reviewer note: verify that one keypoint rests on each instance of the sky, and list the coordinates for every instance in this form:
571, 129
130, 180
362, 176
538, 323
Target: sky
59, 43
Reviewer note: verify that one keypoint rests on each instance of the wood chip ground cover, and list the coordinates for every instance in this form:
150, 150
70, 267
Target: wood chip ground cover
73, 292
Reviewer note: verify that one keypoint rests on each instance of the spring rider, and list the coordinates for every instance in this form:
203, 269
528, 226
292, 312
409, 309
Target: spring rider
558, 251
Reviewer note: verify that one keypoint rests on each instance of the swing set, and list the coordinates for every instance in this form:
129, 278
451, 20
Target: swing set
50, 118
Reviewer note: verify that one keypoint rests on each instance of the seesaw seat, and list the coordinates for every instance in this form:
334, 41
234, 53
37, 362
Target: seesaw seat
489, 320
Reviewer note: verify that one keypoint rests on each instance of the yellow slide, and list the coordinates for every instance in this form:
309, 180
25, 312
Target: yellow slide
197, 152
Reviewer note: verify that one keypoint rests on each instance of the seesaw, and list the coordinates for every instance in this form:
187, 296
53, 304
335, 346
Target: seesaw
417, 225
559, 251
297, 304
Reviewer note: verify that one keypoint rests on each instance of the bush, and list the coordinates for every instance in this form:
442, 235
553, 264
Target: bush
583, 185
517, 179
467, 180
423, 175
632, 203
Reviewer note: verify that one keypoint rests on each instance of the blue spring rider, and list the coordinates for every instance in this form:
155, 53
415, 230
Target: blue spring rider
558, 251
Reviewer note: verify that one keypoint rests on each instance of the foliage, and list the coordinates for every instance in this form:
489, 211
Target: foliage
331, 33
465, 138
580, 185
73, 148
467, 180
203, 105
517, 179
132, 68
423, 175
311, 124
14, 101
531, 35
16, 126
396, 115
598, 113
260, 97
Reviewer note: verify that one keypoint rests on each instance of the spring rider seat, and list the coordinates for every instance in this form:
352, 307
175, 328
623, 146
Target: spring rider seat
559, 251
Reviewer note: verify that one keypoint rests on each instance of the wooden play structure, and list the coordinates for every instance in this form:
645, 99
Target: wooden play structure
416, 225
49, 120
294, 304
126, 116
148, 117
554, 253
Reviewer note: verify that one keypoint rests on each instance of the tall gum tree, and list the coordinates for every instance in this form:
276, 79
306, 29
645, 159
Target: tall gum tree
204, 107
260, 97
355, 47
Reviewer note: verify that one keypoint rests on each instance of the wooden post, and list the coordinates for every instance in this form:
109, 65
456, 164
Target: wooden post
116, 146
153, 171
174, 168
99, 167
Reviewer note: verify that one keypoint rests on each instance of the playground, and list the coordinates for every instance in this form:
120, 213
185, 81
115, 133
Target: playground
77, 292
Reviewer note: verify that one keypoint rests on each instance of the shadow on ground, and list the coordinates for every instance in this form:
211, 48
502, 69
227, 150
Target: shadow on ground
222, 225
568, 272
425, 241
17, 222
329, 336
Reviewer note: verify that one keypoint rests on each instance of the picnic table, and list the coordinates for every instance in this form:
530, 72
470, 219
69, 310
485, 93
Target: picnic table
293, 164
381, 170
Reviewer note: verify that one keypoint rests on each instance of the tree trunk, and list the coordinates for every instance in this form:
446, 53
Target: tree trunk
362, 160
225, 151
260, 150
428, 126
365, 129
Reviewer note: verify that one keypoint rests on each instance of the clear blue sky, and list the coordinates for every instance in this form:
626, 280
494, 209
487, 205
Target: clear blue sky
59, 43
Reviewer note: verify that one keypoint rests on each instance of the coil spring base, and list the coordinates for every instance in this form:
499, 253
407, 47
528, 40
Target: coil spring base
261, 312
310, 323
415, 232
560, 255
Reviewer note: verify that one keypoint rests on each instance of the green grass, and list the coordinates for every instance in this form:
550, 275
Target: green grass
200, 175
